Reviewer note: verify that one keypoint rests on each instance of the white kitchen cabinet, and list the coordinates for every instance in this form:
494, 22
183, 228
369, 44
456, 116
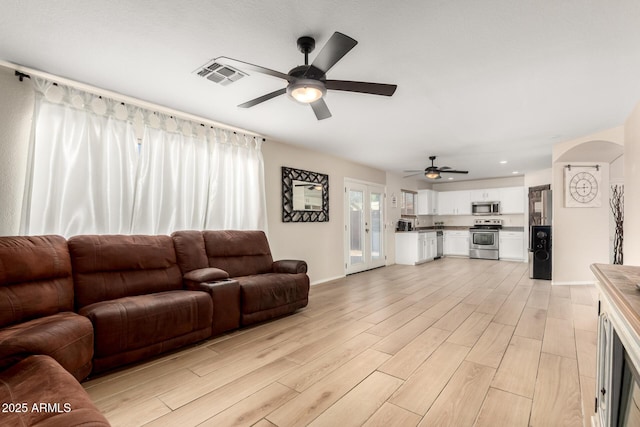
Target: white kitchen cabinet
454, 203
512, 200
446, 203
486, 195
431, 243
618, 347
456, 242
415, 247
463, 202
511, 245
427, 202
408, 203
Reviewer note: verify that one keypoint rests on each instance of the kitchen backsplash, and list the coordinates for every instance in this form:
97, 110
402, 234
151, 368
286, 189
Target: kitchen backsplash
467, 220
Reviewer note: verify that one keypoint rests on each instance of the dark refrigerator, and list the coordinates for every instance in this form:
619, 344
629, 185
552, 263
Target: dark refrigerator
540, 236
540, 252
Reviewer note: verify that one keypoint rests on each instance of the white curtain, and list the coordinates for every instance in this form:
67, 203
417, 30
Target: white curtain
83, 166
99, 166
237, 193
173, 183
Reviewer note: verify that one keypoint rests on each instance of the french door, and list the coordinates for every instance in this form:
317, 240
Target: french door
364, 226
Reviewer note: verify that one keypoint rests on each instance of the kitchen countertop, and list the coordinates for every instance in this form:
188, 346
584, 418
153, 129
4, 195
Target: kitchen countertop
433, 229
446, 227
453, 227
618, 282
513, 229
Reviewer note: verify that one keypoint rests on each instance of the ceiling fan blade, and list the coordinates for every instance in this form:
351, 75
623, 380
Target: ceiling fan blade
320, 109
413, 174
454, 171
413, 171
263, 98
336, 47
444, 168
245, 66
361, 87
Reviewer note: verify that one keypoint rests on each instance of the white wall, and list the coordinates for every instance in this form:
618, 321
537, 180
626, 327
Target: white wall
320, 244
395, 184
581, 235
537, 178
16, 110
631, 242
479, 184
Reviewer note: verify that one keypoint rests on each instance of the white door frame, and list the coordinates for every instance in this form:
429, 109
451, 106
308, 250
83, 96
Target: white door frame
367, 262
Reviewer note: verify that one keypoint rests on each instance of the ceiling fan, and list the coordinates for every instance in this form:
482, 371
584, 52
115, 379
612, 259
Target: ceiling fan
308, 84
309, 186
433, 172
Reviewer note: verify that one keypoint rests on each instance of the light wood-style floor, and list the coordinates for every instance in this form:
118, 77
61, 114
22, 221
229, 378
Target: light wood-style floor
454, 342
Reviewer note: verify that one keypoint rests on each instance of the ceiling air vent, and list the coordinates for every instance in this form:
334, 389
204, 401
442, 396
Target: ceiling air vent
221, 74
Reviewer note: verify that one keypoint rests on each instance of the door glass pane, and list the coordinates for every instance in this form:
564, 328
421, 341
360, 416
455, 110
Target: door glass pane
376, 226
356, 239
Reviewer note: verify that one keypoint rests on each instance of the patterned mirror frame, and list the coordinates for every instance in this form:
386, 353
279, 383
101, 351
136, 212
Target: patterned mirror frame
291, 215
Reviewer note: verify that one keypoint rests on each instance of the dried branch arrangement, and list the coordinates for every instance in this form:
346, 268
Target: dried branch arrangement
617, 208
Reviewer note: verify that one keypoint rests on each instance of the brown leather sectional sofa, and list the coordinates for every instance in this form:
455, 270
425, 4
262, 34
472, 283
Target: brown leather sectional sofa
93, 303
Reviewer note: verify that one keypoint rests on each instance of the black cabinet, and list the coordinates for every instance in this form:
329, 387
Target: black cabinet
540, 252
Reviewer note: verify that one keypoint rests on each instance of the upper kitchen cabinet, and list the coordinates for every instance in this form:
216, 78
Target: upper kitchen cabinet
512, 200
486, 195
408, 203
454, 203
427, 202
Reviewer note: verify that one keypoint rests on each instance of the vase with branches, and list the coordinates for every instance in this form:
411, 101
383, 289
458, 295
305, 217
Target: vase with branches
617, 208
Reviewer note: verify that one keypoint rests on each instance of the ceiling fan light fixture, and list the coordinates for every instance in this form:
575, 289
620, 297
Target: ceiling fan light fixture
306, 91
433, 175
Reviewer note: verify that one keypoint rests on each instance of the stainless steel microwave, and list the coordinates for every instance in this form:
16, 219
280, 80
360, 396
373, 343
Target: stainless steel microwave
485, 208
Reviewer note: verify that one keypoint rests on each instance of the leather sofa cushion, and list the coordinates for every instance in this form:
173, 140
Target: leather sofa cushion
40, 380
190, 251
238, 252
35, 278
67, 337
267, 291
129, 323
116, 266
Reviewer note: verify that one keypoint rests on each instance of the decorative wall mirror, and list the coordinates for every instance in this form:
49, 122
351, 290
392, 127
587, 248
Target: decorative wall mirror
305, 196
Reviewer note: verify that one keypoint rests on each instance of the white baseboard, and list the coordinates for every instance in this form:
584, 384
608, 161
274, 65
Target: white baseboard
578, 283
328, 279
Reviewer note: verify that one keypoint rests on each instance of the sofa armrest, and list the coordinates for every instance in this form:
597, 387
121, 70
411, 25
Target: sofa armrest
206, 275
291, 266
212, 287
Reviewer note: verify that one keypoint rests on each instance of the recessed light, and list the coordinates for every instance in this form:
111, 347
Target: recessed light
502, 162
450, 177
515, 172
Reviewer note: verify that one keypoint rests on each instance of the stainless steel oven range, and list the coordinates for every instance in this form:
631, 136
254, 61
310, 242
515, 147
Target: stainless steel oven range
484, 239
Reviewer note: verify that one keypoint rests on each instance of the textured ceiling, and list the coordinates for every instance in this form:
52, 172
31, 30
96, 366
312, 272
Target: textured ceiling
478, 81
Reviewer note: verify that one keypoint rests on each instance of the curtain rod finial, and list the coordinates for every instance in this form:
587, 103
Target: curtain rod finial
21, 76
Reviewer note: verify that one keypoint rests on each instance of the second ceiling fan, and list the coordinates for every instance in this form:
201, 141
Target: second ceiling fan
308, 84
433, 172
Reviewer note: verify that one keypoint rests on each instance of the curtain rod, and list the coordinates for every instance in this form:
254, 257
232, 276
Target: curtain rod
596, 167
26, 72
